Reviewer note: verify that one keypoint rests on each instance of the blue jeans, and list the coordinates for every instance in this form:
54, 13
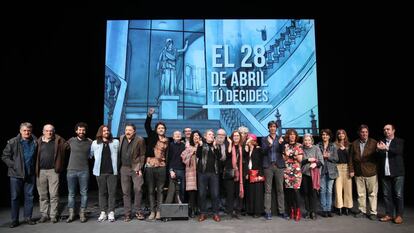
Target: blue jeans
326, 192
393, 190
16, 187
73, 177
210, 180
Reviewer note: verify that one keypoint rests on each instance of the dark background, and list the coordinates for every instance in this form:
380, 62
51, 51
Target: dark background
53, 59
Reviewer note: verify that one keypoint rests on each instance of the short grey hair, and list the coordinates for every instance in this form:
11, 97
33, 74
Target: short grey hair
27, 125
310, 136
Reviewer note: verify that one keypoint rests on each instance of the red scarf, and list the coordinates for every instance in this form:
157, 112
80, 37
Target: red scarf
238, 175
316, 178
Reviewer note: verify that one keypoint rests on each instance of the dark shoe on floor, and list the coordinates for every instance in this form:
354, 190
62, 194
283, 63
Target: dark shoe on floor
29, 221
339, 212
347, 211
313, 215
373, 217
386, 218
398, 220
329, 214
268, 216
359, 215
216, 218
43, 219
324, 214
308, 215
14, 224
284, 215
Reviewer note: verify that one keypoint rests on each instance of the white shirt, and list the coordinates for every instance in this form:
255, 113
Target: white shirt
387, 164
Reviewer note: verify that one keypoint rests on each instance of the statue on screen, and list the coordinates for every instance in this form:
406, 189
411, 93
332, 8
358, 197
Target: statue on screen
166, 67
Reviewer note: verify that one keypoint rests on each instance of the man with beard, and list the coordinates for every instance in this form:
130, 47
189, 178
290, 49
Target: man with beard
78, 170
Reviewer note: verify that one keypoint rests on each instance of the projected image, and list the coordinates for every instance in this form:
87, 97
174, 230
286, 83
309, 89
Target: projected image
210, 74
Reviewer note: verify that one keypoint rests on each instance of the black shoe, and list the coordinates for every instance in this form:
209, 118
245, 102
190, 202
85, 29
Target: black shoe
43, 219
14, 224
373, 217
324, 214
359, 215
308, 215
313, 215
339, 211
329, 213
347, 211
29, 221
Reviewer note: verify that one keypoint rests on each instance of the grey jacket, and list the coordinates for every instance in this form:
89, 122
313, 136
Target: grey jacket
313, 152
330, 162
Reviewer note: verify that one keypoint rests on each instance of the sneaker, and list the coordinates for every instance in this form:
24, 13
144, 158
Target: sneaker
111, 216
102, 216
359, 215
268, 216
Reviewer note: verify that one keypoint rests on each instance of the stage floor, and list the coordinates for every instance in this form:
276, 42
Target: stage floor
345, 224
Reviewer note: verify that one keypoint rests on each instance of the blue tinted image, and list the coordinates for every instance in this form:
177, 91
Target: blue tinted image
211, 74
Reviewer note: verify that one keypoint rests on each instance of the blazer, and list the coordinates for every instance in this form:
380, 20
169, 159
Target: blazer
395, 158
365, 165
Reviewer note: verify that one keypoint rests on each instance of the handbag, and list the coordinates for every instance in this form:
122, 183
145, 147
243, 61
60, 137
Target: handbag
254, 176
228, 173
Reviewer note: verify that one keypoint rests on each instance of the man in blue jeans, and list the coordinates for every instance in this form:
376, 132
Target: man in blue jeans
19, 156
391, 153
78, 170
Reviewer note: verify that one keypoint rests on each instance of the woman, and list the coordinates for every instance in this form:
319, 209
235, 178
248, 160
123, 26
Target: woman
234, 174
343, 183
189, 158
254, 157
329, 171
311, 165
292, 155
155, 167
105, 151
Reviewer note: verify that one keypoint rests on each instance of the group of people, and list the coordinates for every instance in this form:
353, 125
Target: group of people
198, 166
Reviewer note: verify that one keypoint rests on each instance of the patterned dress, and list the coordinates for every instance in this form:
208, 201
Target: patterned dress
293, 173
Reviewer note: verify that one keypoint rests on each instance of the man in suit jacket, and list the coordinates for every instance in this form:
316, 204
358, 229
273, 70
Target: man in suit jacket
363, 166
391, 152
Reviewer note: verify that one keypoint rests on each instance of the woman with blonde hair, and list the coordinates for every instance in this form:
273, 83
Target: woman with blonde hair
343, 183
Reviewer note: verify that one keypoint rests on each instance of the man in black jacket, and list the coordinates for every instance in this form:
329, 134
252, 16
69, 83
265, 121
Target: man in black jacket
391, 152
19, 156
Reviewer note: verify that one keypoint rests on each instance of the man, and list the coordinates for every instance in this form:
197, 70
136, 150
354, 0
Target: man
19, 156
176, 169
208, 175
363, 166
49, 163
391, 154
78, 170
187, 135
131, 159
274, 166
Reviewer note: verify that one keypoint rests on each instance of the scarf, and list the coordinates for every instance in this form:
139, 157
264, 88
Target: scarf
238, 175
316, 178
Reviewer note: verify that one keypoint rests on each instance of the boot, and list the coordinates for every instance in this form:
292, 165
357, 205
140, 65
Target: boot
190, 212
82, 215
71, 217
298, 214
292, 213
